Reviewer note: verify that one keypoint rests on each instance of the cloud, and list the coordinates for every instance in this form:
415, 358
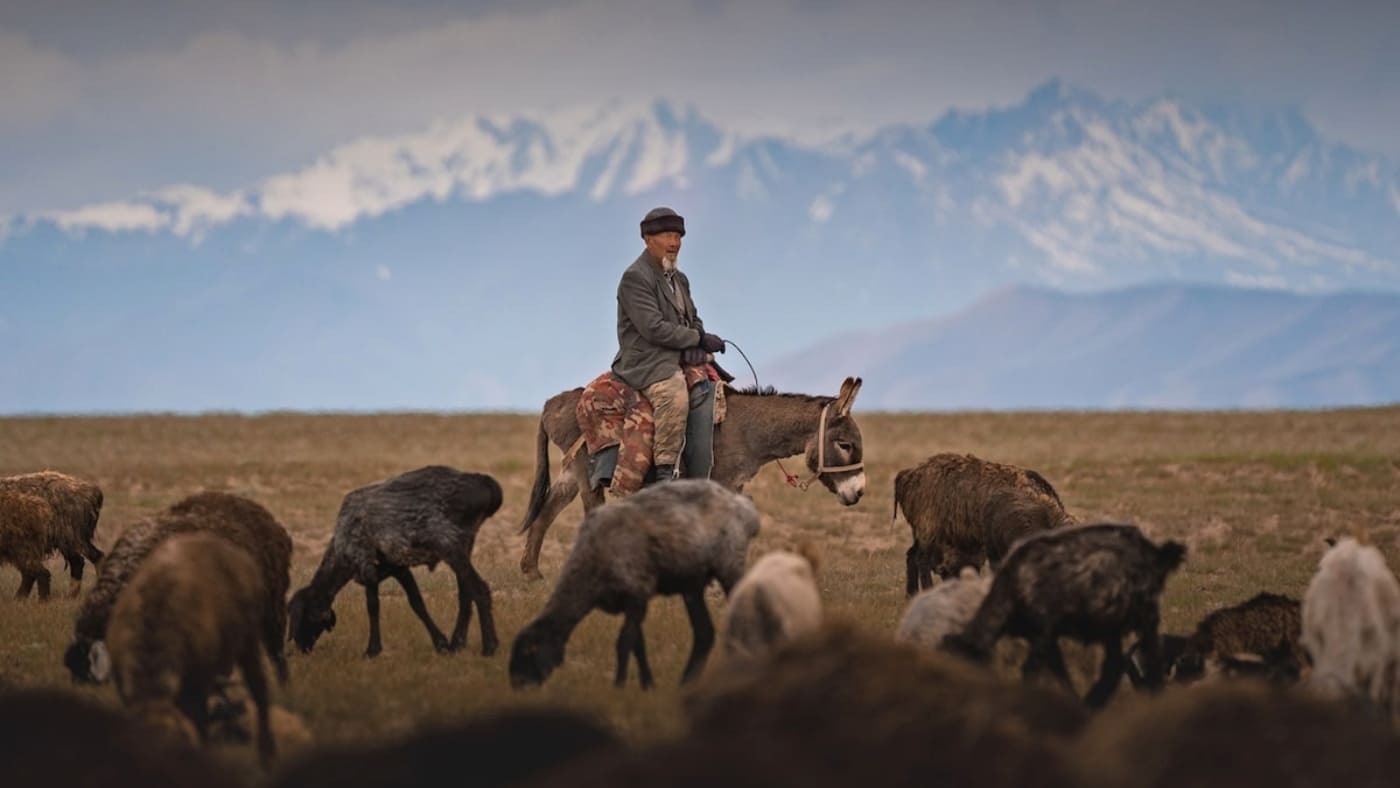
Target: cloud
112, 217
241, 99
382, 273
1255, 281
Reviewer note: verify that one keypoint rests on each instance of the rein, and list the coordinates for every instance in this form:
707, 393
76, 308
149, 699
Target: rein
822, 467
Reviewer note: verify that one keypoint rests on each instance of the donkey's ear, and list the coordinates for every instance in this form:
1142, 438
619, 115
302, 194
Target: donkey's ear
847, 397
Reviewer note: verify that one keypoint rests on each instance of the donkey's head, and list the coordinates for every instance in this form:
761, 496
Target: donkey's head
834, 451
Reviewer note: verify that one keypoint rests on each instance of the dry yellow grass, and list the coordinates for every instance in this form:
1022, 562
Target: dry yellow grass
1251, 493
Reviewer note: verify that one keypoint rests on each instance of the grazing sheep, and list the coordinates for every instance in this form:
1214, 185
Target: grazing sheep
1093, 583
775, 601
1351, 627
385, 529
24, 539
242, 521
1234, 735
75, 506
193, 610
56, 737
1258, 636
943, 610
668, 539
504, 748
963, 510
852, 708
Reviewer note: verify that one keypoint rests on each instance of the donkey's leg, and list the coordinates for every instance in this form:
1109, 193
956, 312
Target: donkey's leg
415, 603
561, 494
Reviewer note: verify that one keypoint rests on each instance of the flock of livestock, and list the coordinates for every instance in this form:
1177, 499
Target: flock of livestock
1286, 692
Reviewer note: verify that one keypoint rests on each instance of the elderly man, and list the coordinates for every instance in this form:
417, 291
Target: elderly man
658, 330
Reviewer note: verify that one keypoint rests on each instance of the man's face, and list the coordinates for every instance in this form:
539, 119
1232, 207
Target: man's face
664, 246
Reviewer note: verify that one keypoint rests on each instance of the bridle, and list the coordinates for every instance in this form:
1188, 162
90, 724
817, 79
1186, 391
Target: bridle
822, 467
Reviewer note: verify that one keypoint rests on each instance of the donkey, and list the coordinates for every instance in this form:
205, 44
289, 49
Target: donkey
759, 427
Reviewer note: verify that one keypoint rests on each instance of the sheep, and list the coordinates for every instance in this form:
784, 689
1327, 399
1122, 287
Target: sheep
193, 610
503, 748
241, 520
963, 510
24, 539
668, 539
384, 529
1257, 636
54, 736
844, 706
1351, 628
1092, 583
943, 610
1239, 735
75, 506
775, 601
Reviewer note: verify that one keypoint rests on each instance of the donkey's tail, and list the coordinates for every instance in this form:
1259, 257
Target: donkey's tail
540, 491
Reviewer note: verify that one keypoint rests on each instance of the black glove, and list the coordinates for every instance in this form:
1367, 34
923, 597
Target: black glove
711, 343
693, 357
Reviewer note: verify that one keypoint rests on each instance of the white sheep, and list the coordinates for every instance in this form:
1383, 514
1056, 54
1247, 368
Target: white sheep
1351, 627
776, 601
943, 610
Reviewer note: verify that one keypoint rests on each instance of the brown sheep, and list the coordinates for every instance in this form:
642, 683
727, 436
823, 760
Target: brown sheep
863, 710
963, 510
1264, 628
243, 521
1236, 735
75, 505
192, 611
24, 539
1094, 583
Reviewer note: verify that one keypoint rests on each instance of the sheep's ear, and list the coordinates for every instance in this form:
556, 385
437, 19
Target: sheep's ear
849, 388
99, 662
1330, 540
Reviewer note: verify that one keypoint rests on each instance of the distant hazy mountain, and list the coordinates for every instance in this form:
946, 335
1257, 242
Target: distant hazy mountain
473, 265
1146, 347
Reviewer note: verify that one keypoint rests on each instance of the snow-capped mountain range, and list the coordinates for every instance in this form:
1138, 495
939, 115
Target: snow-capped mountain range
383, 252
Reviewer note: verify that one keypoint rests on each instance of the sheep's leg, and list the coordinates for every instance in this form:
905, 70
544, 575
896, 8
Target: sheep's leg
75, 571
1045, 653
194, 704
26, 584
629, 642
43, 576
911, 570
472, 588
1150, 647
1110, 673
372, 609
415, 602
256, 680
703, 630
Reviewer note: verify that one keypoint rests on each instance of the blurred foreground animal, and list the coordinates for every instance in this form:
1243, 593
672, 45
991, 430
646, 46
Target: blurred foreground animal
385, 529
943, 610
775, 601
670, 538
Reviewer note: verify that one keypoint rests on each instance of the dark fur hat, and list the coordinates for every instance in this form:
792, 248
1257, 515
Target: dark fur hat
661, 220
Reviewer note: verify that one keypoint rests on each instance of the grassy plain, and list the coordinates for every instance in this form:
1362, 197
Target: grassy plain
1251, 493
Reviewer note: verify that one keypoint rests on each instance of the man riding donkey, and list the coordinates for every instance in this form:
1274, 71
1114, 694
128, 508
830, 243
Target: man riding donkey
663, 355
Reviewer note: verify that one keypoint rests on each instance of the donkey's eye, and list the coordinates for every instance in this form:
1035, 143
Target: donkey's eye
845, 446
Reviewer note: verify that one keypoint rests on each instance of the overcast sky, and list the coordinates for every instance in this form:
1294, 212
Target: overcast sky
99, 100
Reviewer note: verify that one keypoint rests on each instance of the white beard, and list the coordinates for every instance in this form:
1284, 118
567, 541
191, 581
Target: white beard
668, 263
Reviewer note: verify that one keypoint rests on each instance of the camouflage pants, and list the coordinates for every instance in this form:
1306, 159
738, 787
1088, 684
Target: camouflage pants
670, 405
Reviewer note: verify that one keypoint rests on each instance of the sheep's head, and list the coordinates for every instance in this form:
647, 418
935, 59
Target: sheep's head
534, 655
87, 661
305, 622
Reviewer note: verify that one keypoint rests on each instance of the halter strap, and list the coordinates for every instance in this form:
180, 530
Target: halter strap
822, 467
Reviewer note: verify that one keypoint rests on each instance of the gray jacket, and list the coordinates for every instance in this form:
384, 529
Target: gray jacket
651, 333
